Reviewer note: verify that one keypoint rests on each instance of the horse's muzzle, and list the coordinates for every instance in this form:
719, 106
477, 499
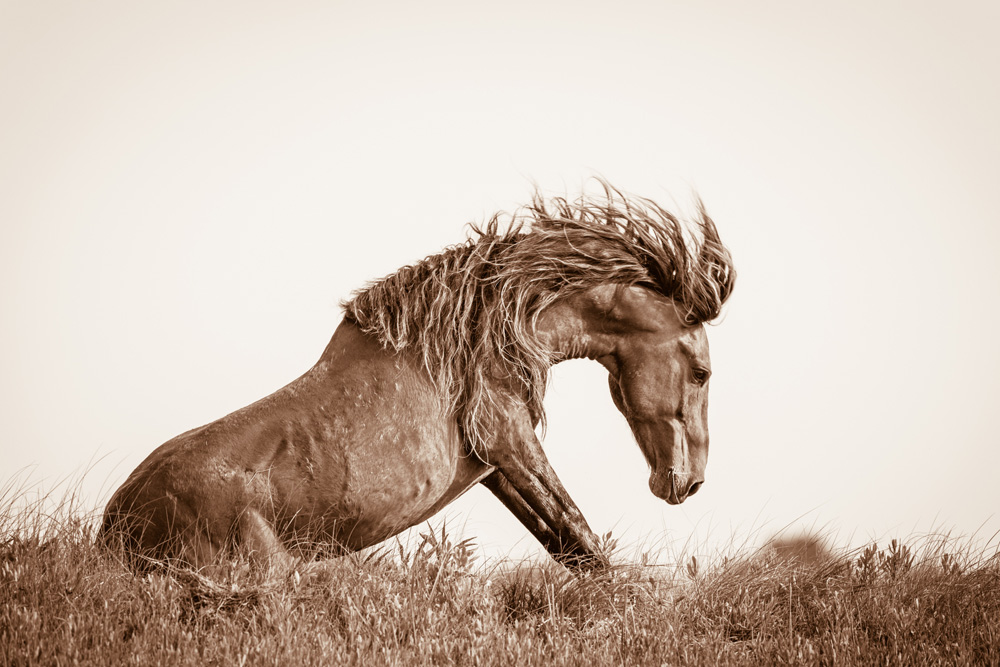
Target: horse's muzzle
676, 488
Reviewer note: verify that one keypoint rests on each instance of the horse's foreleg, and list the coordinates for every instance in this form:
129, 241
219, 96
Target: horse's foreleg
513, 501
526, 483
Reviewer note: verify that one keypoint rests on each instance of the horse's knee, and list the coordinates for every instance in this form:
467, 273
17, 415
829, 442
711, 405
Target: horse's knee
261, 543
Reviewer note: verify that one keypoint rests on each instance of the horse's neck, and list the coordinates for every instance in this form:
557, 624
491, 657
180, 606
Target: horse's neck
572, 329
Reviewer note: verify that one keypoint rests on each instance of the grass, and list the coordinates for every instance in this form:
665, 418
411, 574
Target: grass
64, 600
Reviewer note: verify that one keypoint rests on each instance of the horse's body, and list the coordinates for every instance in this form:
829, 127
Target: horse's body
290, 469
433, 383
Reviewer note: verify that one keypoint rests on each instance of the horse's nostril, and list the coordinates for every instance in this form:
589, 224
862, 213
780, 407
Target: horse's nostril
694, 488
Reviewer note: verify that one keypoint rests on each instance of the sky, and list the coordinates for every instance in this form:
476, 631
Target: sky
189, 189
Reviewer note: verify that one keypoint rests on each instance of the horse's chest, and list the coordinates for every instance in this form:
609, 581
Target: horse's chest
402, 472
389, 492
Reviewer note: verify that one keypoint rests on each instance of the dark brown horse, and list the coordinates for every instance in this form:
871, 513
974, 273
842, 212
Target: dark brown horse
434, 381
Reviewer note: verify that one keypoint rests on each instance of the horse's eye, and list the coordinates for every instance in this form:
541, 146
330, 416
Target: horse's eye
700, 375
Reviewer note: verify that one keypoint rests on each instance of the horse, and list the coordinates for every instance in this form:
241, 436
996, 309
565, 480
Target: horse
433, 382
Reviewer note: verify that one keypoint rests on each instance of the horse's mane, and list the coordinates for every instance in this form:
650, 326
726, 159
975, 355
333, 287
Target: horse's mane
470, 311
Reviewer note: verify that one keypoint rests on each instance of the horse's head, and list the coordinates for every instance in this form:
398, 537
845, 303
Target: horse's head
658, 372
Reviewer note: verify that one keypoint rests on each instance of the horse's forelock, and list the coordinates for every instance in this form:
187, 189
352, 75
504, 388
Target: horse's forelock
469, 311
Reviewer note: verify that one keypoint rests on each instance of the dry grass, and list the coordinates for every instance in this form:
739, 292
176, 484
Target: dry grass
63, 600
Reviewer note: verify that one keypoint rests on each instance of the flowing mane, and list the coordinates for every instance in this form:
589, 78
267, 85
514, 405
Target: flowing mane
470, 311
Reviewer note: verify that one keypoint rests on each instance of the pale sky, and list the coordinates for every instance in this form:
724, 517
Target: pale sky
188, 190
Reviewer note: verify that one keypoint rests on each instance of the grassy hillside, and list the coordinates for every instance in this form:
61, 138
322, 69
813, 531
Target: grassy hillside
65, 601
